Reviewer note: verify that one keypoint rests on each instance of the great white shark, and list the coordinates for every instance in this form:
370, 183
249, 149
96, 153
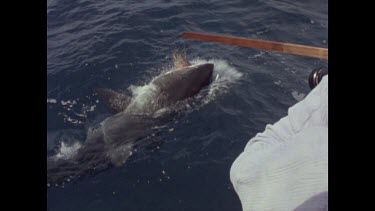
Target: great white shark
111, 142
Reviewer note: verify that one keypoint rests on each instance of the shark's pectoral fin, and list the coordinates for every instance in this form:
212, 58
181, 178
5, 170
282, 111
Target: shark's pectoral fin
115, 101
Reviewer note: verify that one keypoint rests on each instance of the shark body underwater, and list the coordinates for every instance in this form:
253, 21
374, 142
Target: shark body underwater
111, 142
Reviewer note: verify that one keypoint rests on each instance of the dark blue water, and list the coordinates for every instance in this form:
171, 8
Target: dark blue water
115, 44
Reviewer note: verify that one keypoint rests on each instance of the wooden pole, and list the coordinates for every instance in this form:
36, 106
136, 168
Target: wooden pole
303, 50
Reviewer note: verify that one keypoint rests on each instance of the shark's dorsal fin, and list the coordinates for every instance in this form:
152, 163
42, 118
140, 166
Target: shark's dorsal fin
180, 60
115, 101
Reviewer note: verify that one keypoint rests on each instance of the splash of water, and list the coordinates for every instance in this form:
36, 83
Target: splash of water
224, 75
222, 69
142, 95
67, 151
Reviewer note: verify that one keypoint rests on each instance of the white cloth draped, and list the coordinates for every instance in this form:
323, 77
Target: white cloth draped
286, 166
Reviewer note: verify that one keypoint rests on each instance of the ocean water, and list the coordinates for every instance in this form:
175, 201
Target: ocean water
125, 43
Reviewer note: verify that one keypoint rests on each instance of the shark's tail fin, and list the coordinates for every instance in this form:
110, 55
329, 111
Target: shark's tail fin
94, 156
88, 159
60, 171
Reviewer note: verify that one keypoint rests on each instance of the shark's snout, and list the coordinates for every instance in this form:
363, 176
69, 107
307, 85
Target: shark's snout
200, 75
204, 71
209, 66
206, 67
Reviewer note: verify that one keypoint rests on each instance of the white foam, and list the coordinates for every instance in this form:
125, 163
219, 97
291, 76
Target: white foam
298, 96
259, 54
92, 108
69, 119
278, 83
67, 151
221, 67
51, 101
141, 95
71, 107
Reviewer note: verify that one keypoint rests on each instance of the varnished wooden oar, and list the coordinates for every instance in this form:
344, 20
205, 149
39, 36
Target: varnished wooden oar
261, 44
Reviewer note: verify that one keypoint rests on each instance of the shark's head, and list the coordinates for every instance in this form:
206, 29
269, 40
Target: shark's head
196, 75
167, 89
184, 82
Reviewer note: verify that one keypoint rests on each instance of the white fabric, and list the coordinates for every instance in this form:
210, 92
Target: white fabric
286, 166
